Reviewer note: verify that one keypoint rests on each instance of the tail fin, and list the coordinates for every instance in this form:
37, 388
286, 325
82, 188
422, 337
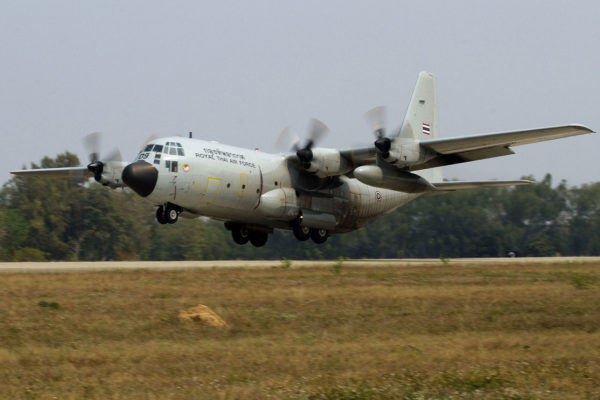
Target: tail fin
421, 120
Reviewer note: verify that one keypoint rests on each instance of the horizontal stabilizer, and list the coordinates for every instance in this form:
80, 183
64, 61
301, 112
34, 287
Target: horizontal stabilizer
463, 185
66, 172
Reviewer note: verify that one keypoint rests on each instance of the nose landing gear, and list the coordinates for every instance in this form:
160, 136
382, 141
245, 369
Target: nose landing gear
168, 214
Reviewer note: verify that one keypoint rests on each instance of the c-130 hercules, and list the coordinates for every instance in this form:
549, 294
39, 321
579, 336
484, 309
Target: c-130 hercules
315, 192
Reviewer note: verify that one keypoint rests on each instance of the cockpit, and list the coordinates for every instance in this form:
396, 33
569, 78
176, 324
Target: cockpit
153, 151
171, 148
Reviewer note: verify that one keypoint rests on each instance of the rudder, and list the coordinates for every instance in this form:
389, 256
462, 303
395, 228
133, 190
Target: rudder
421, 120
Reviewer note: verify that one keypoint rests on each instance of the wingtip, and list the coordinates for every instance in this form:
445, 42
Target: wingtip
583, 128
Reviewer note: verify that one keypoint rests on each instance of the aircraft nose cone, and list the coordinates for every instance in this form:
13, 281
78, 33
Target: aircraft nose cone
141, 177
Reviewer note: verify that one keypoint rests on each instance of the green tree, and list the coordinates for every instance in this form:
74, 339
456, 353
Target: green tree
534, 220
584, 237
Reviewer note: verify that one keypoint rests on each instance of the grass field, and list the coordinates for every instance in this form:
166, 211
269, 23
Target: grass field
431, 332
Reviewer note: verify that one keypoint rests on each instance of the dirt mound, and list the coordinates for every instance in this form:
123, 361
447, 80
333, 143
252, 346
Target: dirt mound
203, 314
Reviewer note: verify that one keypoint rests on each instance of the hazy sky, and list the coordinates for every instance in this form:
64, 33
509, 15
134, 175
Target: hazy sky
239, 72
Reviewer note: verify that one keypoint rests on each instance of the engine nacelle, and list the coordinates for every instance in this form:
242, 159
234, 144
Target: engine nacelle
392, 178
111, 174
279, 204
328, 162
405, 154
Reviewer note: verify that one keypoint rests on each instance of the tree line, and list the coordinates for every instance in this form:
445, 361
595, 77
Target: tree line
73, 219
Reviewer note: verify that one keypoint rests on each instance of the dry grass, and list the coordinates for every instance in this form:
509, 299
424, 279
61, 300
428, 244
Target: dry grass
502, 332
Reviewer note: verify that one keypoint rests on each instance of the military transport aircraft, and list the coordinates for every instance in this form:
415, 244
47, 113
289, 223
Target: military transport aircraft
315, 192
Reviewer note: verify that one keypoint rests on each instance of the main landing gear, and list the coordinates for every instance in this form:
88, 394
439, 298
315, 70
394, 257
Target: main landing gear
168, 214
242, 235
319, 235
303, 233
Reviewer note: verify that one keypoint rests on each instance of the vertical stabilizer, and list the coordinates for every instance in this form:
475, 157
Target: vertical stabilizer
421, 121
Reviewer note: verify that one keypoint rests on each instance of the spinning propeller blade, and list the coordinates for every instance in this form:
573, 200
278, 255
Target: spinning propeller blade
376, 120
91, 143
287, 140
316, 132
149, 139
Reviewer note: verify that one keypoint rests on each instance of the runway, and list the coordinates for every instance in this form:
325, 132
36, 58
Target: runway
76, 266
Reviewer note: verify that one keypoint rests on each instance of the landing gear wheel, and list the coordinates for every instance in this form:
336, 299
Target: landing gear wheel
171, 215
160, 215
301, 232
319, 235
240, 234
258, 239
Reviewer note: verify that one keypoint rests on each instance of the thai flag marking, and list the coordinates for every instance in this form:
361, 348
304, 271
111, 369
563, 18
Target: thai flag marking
426, 129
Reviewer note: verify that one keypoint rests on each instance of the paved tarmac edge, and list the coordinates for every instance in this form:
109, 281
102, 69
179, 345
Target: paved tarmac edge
74, 266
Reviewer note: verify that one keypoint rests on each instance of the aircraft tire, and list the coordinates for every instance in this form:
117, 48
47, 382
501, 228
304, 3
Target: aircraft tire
302, 233
258, 239
319, 235
171, 215
160, 215
240, 234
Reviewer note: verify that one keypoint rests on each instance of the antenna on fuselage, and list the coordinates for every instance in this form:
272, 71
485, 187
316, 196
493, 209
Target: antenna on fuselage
190, 135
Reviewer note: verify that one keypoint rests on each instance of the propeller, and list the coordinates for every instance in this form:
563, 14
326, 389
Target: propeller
316, 132
376, 119
148, 139
91, 143
287, 140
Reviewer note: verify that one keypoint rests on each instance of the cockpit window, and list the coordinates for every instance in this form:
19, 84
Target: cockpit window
158, 148
174, 149
148, 147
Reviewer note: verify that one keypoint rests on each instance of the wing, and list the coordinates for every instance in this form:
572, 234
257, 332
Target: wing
471, 148
66, 172
360, 156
